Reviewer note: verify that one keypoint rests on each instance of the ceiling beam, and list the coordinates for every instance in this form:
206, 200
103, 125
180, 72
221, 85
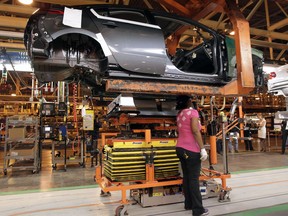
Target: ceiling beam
12, 45
211, 6
147, 3
13, 22
280, 54
266, 33
281, 8
254, 10
245, 77
194, 9
253, 31
278, 25
268, 25
176, 7
73, 2
269, 44
17, 9
11, 34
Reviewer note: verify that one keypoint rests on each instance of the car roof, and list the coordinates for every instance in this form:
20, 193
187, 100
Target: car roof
282, 71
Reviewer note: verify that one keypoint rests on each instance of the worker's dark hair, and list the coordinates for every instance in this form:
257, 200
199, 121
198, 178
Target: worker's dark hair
182, 102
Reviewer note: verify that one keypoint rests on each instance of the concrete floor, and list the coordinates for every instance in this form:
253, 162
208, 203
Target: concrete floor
259, 187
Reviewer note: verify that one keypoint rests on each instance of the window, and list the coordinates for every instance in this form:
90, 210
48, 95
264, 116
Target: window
188, 45
128, 15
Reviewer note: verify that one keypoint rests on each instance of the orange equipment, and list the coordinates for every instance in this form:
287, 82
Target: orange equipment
150, 179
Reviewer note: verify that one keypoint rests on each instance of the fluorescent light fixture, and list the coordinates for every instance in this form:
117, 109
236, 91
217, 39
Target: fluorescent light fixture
26, 2
13, 94
20, 67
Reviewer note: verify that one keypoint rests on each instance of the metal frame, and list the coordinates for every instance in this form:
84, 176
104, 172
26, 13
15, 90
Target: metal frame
150, 181
17, 145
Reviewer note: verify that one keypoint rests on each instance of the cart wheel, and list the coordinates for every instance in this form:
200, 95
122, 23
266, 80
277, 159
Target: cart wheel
34, 171
119, 210
105, 194
54, 166
5, 171
224, 196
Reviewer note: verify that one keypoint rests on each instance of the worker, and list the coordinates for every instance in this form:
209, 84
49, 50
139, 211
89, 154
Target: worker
233, 139
248, 135
262, 132
190, 151
94, 136
284, 131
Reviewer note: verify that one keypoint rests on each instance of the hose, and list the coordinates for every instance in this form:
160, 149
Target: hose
75, 87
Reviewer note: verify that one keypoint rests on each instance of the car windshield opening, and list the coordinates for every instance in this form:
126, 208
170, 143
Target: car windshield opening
189, 47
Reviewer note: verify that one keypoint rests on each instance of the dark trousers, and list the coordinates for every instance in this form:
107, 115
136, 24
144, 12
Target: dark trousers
284, 138
248, 145
191, 165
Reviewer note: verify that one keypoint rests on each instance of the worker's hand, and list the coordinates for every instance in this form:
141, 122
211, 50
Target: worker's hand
203, 154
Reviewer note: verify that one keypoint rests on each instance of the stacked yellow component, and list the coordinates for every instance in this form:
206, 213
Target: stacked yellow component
129, 164
119, 144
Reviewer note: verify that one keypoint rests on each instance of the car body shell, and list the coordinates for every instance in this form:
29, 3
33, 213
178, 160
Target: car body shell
278, 81
105, 46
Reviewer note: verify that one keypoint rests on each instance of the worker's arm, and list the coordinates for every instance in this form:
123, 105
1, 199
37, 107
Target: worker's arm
261, 123
196, 132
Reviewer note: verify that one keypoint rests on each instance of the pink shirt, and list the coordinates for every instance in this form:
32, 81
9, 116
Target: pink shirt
186, 139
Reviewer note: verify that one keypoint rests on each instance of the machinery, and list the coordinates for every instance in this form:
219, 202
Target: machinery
141, 156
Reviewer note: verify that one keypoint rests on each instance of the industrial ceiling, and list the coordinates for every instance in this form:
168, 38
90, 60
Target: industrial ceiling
268, 19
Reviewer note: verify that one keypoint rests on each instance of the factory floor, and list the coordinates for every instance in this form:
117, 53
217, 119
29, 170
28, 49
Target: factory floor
259, 183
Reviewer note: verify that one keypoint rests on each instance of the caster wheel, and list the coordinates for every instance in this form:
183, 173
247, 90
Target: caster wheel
119, 210
5, 172
105, 194
224, 196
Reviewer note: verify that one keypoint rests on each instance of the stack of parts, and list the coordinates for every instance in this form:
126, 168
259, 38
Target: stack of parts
129, 164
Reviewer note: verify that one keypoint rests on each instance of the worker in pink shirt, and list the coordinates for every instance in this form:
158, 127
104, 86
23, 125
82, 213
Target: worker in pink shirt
190, 151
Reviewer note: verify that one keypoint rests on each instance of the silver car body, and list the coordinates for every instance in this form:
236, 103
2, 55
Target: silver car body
126, 43
278, 81
143, 57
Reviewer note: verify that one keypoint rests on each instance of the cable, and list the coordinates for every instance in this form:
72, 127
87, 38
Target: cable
223, 104
75, 87
10, 61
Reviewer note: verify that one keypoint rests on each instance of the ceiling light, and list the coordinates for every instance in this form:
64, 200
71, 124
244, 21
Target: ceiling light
13, 94
229, 29
26, 2
232, 32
